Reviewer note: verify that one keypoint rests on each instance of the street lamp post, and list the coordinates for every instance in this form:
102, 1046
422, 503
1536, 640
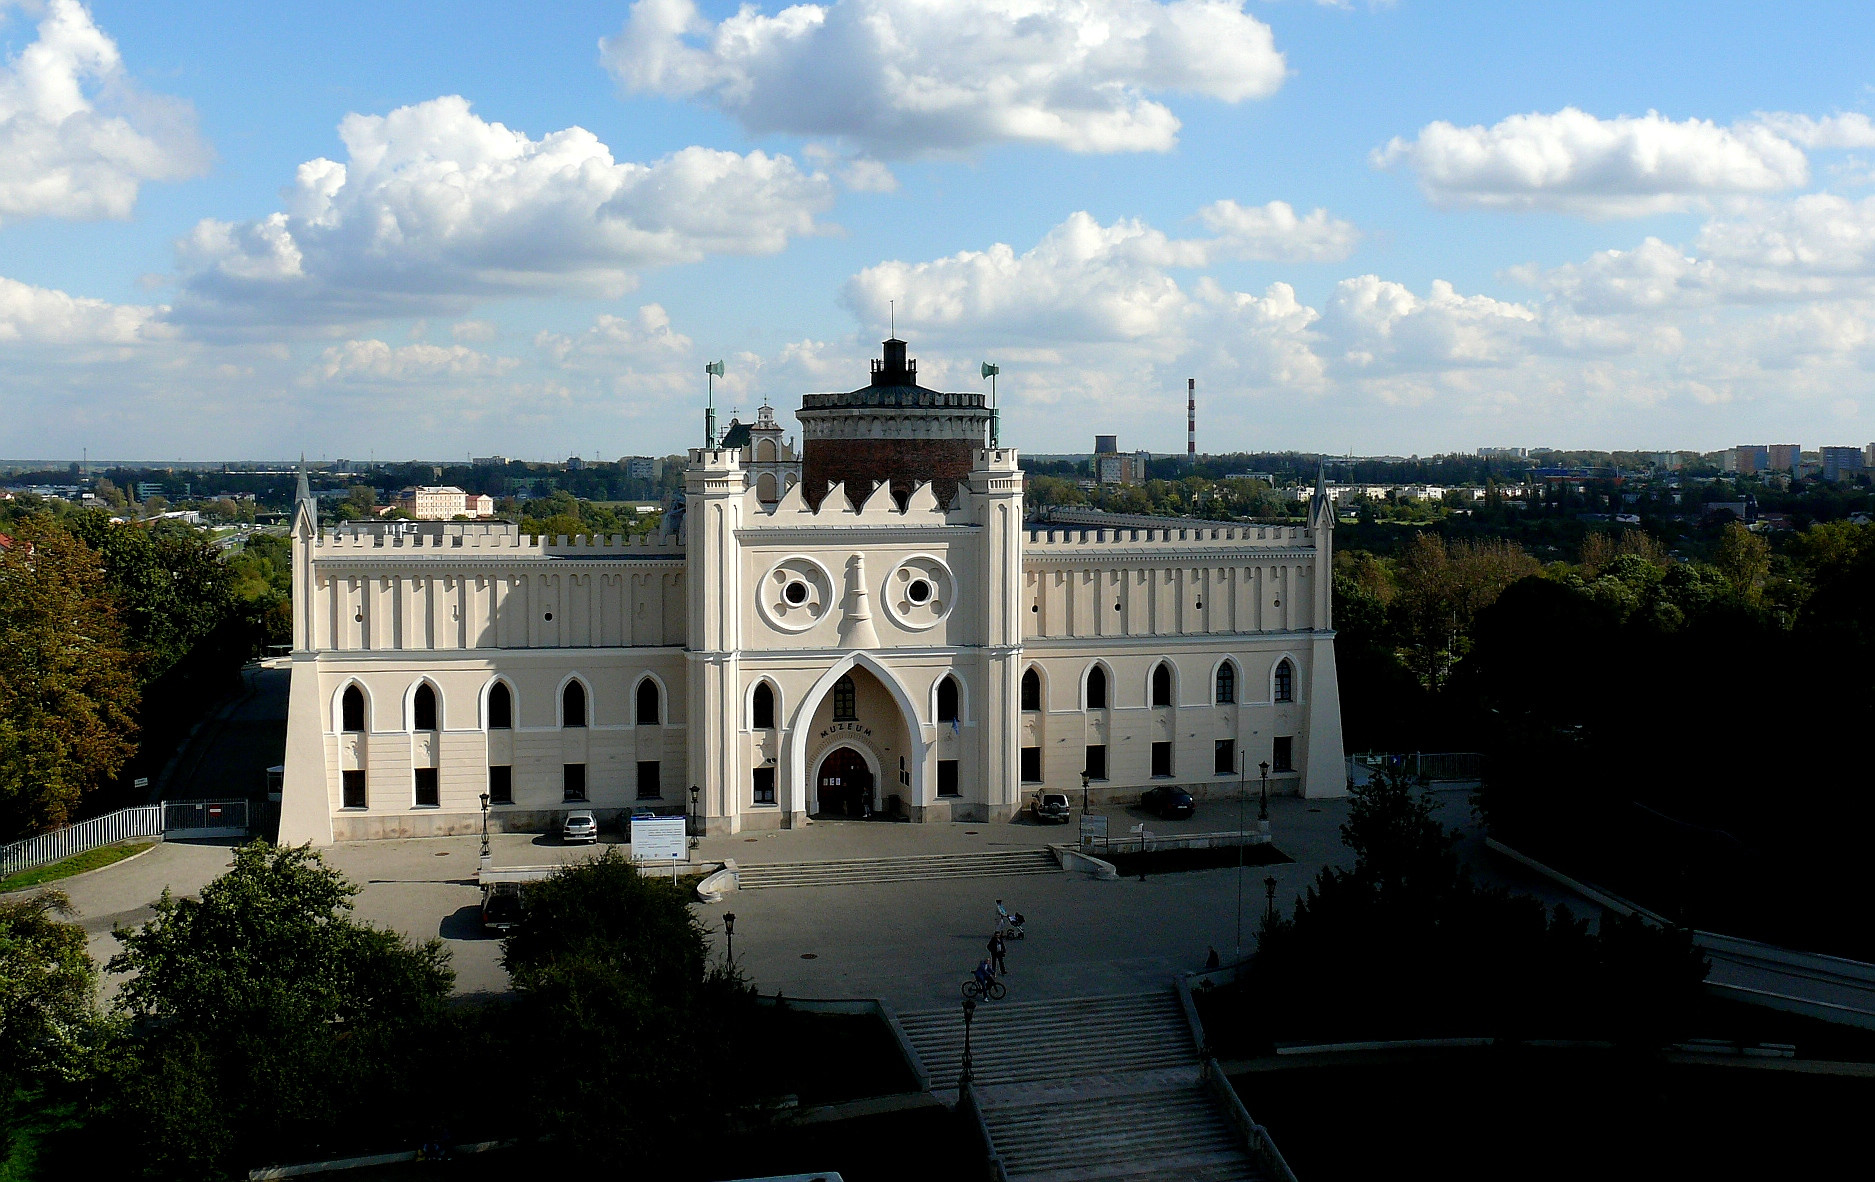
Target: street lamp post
970, 1010
729, 936
1242, 791
695, 792
1263, 801
1269, 905
484, 826
1085, 780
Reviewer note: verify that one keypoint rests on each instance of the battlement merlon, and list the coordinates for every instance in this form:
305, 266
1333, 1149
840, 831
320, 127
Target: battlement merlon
1181, 539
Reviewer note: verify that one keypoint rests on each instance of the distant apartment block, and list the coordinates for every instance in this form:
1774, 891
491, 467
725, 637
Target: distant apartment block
1841, 463
490, 461
1112, 466
442, 503
1503, 453
1748, 459
643, 467
1785, 457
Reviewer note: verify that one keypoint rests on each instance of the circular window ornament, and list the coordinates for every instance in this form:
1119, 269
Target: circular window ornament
919, 592
795, 594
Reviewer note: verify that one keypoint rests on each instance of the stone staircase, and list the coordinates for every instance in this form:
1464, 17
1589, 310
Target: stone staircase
1098, 1088
755, 876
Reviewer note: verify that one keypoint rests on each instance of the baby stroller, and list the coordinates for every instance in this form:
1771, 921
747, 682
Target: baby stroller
1014, 930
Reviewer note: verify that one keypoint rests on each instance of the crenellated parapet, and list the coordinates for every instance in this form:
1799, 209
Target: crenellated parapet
508, 543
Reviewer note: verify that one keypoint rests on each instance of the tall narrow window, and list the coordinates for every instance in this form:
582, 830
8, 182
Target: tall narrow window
763, 779
845, 705
1031, 765
1162, 759
947, 699
1031, 691
352, 711
572, 781
1096, 765
423, 709
1096, 688
1162, 684
501, 784
649, 712
762, 708
500, 708
1224, 757
573, 705
1282, 754
353, 787
650, 786
1285, 681
1226, 684
428, 795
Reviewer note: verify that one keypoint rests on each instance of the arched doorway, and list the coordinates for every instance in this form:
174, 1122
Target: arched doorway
843, 786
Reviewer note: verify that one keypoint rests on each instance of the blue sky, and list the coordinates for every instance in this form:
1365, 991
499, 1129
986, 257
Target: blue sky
1408, 227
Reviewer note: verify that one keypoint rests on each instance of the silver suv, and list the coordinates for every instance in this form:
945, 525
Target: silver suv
1053, 807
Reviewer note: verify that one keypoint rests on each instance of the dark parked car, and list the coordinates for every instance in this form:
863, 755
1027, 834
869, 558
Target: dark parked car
501, 906
1167, 801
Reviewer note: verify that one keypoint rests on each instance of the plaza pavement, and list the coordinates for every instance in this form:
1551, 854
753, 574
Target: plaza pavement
910, 943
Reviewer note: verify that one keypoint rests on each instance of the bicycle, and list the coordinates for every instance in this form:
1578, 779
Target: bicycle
976, 991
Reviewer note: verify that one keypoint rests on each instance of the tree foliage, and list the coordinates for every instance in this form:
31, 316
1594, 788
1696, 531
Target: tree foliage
48, 1016
615, 963
265, 1016
68, 684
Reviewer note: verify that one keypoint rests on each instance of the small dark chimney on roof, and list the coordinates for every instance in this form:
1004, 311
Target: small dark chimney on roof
895, 370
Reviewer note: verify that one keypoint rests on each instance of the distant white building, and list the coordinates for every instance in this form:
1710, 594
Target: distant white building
429, 502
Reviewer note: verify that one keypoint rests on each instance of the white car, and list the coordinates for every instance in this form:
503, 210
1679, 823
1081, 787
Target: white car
579, 826
1053, 808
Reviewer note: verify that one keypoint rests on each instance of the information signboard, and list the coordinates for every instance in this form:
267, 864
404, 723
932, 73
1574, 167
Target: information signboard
1093, 829
659, 839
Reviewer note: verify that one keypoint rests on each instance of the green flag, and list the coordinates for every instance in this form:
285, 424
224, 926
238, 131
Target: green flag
714, 367
991, 370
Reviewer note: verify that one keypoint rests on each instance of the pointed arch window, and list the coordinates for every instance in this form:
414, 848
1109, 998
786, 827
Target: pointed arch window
1031, 691
1162, 684
650, 703
1097, 688
947, 699
352, 711
1285, 681
423, 709
762, 708
573, 705
845, 701
1226, 684
500, 708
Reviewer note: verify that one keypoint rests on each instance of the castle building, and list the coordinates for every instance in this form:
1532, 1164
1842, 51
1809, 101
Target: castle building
887, 636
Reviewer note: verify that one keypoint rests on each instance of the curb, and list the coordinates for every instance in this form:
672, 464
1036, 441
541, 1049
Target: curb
52, 885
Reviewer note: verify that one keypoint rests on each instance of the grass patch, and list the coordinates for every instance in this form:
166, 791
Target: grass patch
1217, 857
76, 864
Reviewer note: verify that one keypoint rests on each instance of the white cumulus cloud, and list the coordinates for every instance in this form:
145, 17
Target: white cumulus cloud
77, 137
902, 77
374, 360
435, 207
1575, 162
32, 315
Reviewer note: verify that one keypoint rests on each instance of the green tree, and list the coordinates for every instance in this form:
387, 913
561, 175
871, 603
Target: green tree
1743, 558
171, 587
68, 685
49, 1024
616, 963
267, 1017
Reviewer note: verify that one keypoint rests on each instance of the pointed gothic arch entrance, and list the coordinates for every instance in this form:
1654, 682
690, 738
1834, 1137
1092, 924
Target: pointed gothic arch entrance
844, 785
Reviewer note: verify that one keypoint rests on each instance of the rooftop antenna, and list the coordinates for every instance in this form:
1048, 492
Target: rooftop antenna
712, 371
891, 309
990, 371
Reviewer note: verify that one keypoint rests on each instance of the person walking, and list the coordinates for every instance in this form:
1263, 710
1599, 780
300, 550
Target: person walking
998, 947
1002, 917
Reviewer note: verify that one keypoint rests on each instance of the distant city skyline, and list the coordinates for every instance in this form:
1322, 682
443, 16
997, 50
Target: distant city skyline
1380, 228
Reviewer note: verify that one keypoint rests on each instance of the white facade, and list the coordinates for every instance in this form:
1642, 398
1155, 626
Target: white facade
790, 661
443, 502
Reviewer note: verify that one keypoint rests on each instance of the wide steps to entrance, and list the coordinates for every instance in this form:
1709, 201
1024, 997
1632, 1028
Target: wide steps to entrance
757, 876
1092, 1089
1030, 1041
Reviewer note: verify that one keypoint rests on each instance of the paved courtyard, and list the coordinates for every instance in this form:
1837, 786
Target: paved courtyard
910, 943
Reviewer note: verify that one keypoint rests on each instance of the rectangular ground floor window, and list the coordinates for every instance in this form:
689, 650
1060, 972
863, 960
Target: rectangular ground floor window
1096, 765
352, 789
573, 781
1223, 757
427, 795
764, 778
500, 784
947, 778
1282, 756
1031, 765
648, 786
1162, 759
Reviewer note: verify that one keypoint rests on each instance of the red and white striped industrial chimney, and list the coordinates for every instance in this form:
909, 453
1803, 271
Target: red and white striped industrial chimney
1191, 421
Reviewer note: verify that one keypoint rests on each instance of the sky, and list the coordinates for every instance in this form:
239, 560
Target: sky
408, 230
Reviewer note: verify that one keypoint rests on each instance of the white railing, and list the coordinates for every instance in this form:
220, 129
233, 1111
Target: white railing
122, 825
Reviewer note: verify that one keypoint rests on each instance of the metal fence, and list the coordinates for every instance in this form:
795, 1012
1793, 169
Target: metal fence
1428, 765
122, 825
172, 818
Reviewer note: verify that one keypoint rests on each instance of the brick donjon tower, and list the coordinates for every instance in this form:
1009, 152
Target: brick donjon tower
893, 430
